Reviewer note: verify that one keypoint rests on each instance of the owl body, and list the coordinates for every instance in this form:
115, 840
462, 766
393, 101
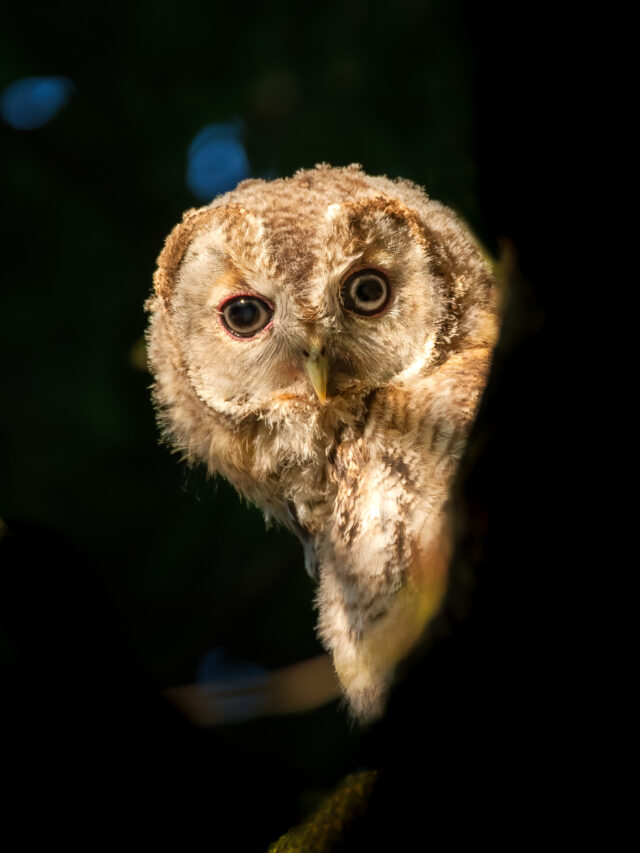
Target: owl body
322, 342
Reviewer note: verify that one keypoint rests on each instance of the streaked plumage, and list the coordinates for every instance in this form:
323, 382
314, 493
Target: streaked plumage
344, 415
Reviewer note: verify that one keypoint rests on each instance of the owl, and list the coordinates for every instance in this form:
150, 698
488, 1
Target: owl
322, 342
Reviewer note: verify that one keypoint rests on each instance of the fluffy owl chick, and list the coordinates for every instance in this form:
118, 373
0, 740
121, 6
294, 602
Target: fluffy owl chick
322, 342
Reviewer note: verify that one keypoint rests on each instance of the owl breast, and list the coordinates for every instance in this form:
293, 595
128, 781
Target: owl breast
295, 460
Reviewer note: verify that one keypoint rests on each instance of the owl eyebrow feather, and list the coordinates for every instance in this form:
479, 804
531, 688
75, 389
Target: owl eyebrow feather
231, 284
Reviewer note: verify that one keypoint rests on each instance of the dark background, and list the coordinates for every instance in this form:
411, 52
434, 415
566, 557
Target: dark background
121, 569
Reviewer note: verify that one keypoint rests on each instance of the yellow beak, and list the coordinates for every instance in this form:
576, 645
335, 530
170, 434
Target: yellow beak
316, 366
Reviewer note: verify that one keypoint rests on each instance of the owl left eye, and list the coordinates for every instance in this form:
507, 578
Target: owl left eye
366, 292
245, 316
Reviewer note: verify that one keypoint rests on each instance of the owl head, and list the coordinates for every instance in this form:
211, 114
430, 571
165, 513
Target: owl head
288, 302
299, 334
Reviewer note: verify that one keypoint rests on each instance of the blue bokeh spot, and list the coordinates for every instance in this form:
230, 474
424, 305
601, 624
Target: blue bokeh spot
32, 102
216, 160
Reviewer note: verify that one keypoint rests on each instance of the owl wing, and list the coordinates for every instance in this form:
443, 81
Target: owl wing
385, 558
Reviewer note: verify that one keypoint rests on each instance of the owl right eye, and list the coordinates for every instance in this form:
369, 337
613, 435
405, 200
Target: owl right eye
366, 292
245, 316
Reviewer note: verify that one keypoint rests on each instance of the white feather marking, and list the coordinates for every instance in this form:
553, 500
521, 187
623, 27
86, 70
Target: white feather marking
418, 363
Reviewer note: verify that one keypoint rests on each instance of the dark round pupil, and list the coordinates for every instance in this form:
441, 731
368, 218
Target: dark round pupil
243, 314
369, 290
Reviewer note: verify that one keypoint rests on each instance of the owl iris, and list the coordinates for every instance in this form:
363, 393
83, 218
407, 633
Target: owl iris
245, 316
